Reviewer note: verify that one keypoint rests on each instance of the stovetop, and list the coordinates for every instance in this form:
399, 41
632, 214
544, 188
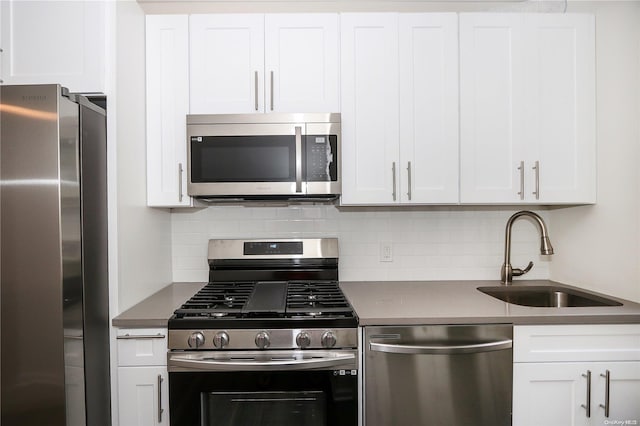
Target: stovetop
261, 304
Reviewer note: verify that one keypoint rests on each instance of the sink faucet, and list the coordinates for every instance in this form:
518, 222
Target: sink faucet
507, 272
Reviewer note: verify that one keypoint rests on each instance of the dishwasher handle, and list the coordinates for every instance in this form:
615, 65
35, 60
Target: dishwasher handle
472, 348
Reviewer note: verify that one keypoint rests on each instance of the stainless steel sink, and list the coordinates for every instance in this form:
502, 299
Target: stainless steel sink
547, 296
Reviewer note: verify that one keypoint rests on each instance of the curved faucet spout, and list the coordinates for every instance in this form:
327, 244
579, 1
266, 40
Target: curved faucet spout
507, 272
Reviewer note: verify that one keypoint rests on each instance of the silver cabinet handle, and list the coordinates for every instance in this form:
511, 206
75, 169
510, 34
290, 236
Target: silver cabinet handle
180, 170
521, 192
441, 349
255, 86
393, 173
587, 406
160, 409
141, 336
607, 387
298, 130
409, 179
536, 169
271, 90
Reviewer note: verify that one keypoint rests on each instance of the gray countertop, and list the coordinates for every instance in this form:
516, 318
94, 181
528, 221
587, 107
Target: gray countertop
155, 310
458, 302
410, 303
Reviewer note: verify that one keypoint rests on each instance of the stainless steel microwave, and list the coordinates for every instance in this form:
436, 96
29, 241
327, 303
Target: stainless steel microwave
264, 156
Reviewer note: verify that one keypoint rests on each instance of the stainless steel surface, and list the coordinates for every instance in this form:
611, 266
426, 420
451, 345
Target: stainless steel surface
271, 102
53, 258
160, 409
141, 336
547, 296
247, 339
442, 348
312, 248
279, 117
507, 272
536, 169
264, 124
587, 404
521, 168
607, 389
255, 89
263, 360
409, 180
298, 131
180, 171
393, 180
406, 388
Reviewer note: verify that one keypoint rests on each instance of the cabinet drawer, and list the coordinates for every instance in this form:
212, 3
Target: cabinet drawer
620, 342
142, 346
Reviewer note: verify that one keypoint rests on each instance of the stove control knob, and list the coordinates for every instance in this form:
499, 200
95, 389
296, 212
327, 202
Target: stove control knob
303, 339
328, 339
221, 339
262, 340
196, 340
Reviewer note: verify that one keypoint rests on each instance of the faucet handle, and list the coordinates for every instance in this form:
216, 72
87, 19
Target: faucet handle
517, 271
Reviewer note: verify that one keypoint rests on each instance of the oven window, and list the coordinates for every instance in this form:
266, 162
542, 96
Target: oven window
263, 408
243, 159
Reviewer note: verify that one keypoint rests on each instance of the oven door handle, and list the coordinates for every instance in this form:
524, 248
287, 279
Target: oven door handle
180, 363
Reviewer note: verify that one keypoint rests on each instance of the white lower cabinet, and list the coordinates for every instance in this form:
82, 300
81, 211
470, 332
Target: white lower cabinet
576, 375
143, 380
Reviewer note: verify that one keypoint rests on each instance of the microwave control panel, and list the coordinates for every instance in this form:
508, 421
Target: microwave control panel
321, 164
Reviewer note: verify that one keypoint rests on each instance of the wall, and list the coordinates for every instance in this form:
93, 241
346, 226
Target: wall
427, 244
598, 247
144, 238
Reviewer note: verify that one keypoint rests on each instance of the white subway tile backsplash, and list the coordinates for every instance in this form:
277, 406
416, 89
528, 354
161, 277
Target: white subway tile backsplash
428, 244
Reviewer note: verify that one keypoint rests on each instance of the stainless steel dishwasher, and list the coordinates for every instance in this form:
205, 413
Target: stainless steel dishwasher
438, 375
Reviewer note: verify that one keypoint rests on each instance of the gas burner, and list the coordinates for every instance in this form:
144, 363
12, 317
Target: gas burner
218, 314
314, 314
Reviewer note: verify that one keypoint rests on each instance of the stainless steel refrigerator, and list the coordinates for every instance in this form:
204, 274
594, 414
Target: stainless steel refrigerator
53, 259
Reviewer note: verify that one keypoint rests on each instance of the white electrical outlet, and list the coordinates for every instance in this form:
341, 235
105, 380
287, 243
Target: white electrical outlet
386, 252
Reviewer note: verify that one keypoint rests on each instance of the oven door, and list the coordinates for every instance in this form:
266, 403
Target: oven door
263, 388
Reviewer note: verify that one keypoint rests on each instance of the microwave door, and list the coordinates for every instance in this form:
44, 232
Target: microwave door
247, 160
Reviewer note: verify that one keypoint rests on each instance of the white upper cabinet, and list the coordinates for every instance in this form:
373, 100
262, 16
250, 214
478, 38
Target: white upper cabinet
527, 108
167, 59
264, 63
227, 63
370, 108
302, 63
62, 42
399, 108
428, 108
561, 118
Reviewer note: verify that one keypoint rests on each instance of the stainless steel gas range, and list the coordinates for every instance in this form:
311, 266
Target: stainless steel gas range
270, 340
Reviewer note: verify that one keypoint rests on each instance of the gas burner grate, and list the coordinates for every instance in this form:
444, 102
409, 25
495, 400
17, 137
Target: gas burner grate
316, 298
217, 300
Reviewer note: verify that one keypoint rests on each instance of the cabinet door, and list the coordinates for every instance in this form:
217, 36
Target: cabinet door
428, 167
624, 392
492, 107
167, 60
550, 394
557, 393
227, 63
369, 92
302, 63
561, 100
62, 42
143, 396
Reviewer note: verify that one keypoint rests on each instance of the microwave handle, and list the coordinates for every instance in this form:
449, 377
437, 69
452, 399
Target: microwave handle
298, 131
